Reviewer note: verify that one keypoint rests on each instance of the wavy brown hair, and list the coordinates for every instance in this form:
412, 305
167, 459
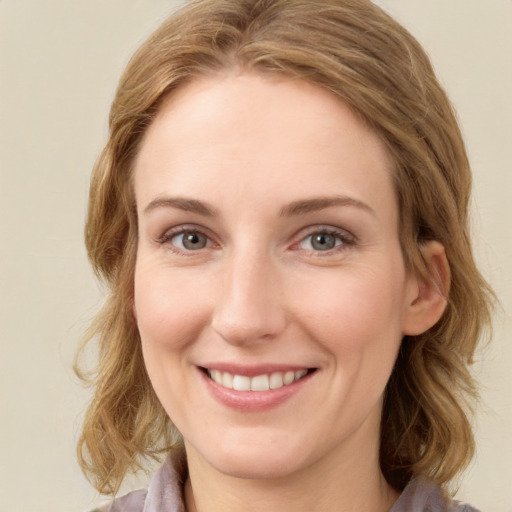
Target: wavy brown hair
356, 51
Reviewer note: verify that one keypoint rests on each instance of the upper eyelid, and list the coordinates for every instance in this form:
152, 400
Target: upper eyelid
183, 228
168, 234
348, 240
311, 230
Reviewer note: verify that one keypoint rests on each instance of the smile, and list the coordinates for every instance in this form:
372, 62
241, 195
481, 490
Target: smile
264, 382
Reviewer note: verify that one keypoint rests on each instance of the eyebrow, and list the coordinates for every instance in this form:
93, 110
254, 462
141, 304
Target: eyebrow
182, 203
319, 203
295, 208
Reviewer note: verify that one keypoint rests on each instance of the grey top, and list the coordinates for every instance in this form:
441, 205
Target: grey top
165, 494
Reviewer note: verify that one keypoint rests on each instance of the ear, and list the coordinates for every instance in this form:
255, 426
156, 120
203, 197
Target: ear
428, 293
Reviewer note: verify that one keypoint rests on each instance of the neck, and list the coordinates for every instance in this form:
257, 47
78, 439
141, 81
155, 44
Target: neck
348, 481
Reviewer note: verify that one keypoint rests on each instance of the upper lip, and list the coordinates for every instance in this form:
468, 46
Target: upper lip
253, 370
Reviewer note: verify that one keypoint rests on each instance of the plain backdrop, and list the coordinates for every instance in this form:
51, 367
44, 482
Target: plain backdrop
59, 64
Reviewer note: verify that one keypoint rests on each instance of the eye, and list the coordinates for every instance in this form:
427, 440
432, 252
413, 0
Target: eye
323, 240
189, 240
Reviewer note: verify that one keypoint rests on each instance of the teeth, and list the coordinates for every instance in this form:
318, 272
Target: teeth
227, 380
263, 382
241, 383
276, 380
216, 376
288, 378
260, 383
299, 374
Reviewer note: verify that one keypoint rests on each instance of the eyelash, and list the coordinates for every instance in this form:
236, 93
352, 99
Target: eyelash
344, 239
167, 237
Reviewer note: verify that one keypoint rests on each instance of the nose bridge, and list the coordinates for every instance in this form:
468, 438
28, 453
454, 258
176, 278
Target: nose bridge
249, 306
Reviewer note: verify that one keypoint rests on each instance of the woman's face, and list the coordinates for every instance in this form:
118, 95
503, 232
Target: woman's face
270, 290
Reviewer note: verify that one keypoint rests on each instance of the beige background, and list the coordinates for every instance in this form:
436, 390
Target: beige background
59, 63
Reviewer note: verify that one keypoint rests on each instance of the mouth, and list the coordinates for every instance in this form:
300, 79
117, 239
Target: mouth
263, 382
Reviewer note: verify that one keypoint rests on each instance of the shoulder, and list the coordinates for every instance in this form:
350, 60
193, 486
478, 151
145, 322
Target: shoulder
131, 502
463, 507
422, 495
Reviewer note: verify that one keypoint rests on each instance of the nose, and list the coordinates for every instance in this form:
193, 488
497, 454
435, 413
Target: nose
250, 308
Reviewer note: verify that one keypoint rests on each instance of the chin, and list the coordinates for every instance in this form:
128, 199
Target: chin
256, 468
261, 460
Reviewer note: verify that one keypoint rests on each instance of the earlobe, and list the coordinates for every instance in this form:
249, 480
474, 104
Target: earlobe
428, 300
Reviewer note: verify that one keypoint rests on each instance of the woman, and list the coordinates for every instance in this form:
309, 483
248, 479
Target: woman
280, 214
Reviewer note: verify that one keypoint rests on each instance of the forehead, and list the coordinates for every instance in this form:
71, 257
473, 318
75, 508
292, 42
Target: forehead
264, 133
261, 101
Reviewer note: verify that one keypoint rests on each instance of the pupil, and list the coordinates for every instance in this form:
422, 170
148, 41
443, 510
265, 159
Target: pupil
323, 242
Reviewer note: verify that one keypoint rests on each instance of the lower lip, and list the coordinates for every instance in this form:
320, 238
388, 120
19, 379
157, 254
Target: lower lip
254, 401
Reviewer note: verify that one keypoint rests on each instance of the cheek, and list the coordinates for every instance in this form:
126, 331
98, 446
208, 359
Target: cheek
168, 308
168, 318
356, 313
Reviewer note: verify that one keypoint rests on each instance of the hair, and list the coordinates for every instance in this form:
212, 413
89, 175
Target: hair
359, 53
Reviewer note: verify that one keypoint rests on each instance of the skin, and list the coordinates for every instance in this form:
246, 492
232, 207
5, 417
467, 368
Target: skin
236, 160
